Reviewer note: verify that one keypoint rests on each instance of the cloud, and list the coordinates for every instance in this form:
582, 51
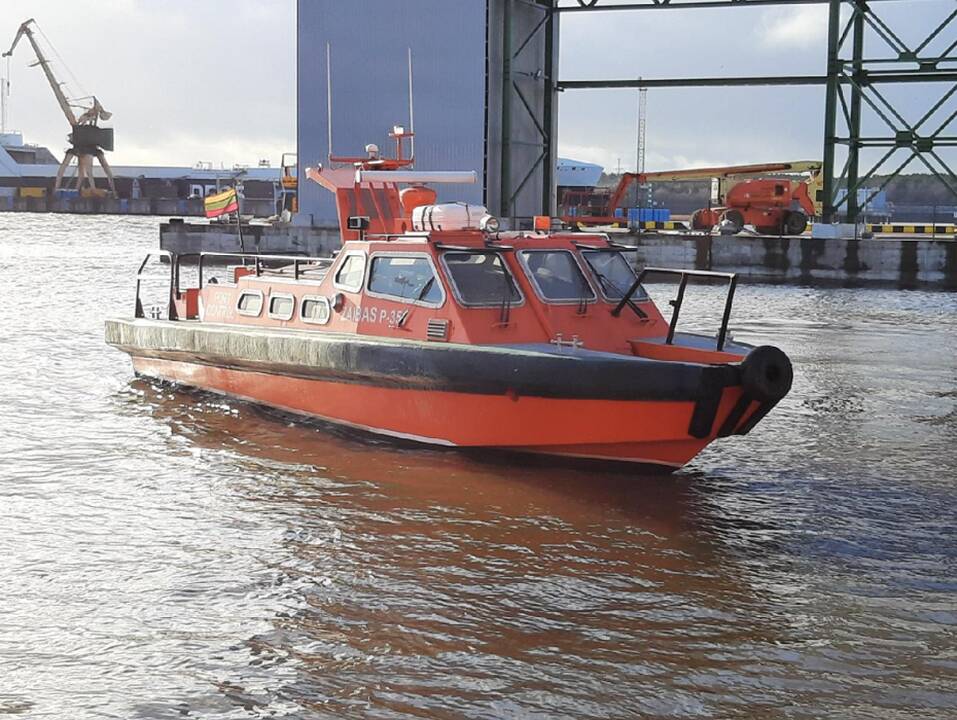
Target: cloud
797, 27
186, 149
654, 161
605, 157
658, 161
185, 80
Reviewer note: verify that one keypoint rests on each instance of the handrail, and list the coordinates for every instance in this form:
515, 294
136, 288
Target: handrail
138, 305
296, 260
732, 279
176, 259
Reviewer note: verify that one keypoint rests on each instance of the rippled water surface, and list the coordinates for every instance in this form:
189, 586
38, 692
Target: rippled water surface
166, 554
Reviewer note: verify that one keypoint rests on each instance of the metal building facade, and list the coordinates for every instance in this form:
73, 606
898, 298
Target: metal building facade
465, 93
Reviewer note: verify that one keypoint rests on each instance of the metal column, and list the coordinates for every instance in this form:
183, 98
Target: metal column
527, 113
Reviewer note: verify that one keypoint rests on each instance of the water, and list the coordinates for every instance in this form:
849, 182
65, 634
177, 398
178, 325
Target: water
166, 554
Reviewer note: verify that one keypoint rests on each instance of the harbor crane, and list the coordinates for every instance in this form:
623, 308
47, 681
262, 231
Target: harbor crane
87, 139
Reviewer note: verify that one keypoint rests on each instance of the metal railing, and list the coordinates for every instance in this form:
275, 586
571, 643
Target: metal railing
732, 279
255, 261
138, 306
296, 261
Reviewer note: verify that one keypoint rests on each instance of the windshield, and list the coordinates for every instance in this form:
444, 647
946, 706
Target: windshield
480, 278
614, 274
557, 275
404, 278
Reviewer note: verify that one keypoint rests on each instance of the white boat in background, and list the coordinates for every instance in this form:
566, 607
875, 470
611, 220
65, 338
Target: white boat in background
576, 173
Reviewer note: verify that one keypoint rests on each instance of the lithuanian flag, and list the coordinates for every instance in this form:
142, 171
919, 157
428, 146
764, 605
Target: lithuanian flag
221, 203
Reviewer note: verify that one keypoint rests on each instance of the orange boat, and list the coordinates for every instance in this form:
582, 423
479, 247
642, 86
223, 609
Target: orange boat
432, 325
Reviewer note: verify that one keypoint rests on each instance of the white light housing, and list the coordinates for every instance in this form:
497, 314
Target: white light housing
489, 224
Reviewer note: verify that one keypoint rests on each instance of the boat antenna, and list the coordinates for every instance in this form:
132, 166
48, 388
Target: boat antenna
329, 99
411, 113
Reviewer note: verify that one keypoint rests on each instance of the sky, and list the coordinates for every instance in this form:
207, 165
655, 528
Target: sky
214, 80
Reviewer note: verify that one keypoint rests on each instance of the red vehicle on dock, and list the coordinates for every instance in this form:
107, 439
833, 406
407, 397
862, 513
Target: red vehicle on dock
432, 325
772, 206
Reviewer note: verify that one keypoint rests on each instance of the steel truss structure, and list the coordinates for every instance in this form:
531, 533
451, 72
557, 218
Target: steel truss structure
852, 82
855, 80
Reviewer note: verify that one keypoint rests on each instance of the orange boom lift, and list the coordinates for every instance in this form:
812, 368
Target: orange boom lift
770, 205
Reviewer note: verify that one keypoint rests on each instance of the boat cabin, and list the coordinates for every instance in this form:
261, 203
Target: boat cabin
412, 268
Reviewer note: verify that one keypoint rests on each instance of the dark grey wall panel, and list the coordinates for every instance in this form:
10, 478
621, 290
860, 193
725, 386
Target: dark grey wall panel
522, 108
369, 41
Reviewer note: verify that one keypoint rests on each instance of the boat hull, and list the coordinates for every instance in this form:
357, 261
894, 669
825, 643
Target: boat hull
593, 429
641, 412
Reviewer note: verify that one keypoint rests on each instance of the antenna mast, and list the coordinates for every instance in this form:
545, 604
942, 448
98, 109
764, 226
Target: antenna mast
411, 111
642, 130
329, 99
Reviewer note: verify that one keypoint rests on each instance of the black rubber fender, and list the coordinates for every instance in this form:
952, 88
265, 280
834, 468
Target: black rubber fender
766, 374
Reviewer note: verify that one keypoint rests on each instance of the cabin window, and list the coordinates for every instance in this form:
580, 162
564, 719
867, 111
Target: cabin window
613, 274
250, 303
480, 279
281, 306
405, 277
350, 272
315, 309
556, 276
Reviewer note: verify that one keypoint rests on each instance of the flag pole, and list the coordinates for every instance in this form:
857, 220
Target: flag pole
239, 225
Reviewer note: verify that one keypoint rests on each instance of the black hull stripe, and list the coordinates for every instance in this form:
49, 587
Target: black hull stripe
450, 368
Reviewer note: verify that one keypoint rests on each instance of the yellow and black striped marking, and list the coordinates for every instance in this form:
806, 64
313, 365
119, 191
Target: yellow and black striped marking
913, 229
667, 225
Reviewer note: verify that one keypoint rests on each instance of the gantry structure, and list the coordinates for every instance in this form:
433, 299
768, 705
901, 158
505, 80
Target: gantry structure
866, 56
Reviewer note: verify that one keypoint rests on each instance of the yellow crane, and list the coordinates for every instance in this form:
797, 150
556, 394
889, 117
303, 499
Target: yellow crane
87, 139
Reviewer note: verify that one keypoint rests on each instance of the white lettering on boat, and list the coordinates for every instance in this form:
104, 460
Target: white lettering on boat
372, 314
219, 306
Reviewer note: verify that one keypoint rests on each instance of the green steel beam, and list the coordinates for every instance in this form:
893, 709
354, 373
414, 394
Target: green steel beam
831, 97
595, 6
872, 77
854, 125
692, 82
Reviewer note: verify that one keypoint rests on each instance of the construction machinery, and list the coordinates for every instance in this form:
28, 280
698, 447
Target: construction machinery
770, 205
87, 139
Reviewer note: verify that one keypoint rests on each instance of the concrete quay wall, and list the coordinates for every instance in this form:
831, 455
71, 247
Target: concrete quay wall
911, 262
182, 238
903, 262
192, 207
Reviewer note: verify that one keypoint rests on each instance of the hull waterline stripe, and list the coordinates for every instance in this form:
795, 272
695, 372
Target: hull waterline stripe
427, 366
